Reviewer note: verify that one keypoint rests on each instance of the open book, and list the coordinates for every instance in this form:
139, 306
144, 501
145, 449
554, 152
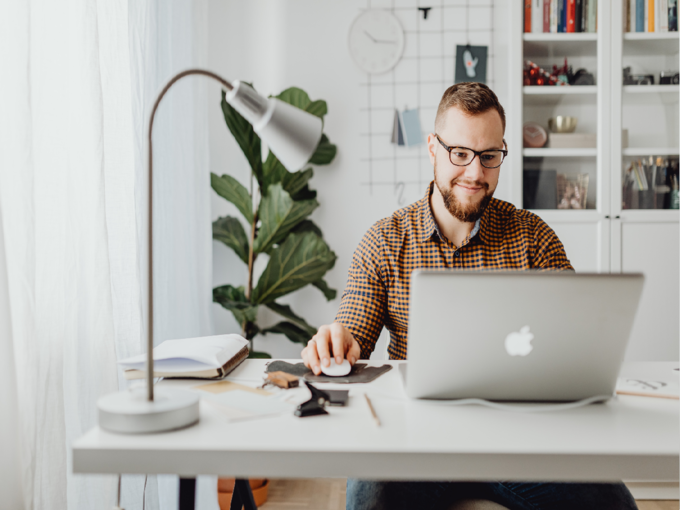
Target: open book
207, 357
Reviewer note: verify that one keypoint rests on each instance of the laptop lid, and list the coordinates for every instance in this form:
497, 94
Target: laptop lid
518, 335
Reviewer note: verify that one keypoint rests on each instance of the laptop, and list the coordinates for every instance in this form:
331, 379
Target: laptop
518, 335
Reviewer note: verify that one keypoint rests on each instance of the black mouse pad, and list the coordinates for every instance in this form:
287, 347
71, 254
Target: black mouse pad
361, 372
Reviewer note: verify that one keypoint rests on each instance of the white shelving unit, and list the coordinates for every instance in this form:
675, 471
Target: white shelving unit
604, 237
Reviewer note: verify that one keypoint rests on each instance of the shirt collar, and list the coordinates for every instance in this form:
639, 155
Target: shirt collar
428, 226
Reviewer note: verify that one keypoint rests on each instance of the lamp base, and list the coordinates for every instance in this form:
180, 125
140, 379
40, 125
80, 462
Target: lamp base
130, 412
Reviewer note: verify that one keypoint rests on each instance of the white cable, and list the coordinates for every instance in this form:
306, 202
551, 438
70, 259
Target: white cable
536, 408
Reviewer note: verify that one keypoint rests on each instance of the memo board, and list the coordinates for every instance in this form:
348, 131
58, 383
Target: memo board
424, 72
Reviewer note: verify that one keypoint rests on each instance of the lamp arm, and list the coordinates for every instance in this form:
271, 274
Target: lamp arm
170, 83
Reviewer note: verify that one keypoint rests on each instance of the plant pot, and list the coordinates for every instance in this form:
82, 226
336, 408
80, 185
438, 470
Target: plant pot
225, 490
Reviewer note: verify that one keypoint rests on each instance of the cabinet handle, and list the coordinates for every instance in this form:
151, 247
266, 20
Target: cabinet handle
606, 216
617, 217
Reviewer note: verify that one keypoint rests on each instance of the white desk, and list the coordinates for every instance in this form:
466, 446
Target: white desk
632, 438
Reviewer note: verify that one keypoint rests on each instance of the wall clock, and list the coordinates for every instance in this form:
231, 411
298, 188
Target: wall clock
376, 41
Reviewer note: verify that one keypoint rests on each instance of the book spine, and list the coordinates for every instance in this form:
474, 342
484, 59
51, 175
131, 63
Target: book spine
578, 16
645, 20
536, 17
571, 16
527, 16
631, 16
592, 15
553, 16
663, 16
672, 15
651, 16
546, 16
640, 16
562, 22
625, 16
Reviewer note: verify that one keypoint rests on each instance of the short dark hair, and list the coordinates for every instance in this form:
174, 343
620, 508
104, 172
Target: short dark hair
471, 97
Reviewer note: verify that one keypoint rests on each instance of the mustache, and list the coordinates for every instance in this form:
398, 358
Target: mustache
474, 184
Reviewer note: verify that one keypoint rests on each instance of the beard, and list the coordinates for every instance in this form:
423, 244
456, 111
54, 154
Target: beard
467, 213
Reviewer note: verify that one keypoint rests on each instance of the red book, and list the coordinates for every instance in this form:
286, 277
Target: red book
571, 15
527, 16
546, 16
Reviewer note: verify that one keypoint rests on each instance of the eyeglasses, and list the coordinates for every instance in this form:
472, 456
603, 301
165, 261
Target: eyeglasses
462, 156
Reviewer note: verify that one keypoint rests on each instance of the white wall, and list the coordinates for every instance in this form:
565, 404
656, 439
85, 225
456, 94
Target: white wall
281, 43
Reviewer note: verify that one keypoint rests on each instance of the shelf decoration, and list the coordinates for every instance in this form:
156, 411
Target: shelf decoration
471, 63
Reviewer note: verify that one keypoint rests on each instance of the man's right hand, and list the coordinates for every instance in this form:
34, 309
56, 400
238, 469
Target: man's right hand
333, 340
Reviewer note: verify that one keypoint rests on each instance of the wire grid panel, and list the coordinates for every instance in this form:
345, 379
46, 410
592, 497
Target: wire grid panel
424, 72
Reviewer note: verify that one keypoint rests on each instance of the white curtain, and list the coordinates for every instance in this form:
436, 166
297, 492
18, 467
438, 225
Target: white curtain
76, 80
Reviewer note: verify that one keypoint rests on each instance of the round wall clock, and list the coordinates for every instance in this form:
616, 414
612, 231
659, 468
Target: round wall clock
376, 41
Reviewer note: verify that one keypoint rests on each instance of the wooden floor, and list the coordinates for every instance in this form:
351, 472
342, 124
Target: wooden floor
329, 494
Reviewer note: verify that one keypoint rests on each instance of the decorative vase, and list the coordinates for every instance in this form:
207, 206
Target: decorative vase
225, 490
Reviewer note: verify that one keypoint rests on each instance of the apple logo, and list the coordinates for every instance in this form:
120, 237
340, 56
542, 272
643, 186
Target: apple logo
519, 344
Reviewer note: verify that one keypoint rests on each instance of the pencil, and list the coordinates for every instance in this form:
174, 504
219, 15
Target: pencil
370, 408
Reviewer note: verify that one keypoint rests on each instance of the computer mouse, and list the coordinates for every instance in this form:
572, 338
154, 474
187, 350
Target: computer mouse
335, 370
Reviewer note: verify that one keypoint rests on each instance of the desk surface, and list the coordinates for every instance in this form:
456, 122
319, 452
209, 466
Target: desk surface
631, 438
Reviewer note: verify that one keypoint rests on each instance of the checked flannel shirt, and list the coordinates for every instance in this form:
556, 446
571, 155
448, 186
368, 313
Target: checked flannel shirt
377, 290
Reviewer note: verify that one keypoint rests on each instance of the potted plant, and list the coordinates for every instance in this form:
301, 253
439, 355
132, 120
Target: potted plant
278, 226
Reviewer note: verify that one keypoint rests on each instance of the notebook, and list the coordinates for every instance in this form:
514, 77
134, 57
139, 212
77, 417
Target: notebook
207, 357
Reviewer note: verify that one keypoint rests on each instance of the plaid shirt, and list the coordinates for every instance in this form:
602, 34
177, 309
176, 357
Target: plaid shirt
377, 288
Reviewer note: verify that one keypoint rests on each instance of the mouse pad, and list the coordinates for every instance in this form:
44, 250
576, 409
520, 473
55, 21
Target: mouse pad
361, 372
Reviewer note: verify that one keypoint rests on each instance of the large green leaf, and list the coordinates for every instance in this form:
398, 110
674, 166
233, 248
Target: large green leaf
292, 331
273, 172
229, 188
325, 152
278, 214
318, 108
307, 226
294, 182
300, 260
328, 293
296, 97
234, 300
257, 354
245, 136
285, 311
230, 231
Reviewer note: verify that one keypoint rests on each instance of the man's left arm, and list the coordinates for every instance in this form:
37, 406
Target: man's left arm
548, 250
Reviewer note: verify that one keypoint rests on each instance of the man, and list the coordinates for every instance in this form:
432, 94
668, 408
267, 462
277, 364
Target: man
458, 224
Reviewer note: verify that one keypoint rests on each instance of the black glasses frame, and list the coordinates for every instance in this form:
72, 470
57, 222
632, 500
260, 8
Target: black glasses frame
476, 154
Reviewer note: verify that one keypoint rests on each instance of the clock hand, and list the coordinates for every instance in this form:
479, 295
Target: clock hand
378, 41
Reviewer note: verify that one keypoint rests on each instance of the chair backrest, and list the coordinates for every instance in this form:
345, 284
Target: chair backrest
10, 472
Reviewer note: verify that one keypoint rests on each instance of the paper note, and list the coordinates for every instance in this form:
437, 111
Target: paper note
240, 405
648, 388
225, 386
406, 129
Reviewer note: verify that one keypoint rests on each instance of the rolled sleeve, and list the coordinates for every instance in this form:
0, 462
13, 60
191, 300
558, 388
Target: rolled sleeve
363, 306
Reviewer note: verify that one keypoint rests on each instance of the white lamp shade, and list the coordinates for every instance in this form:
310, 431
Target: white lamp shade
291, 133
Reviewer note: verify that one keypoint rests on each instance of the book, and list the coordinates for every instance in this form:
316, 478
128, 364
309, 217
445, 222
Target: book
563, 16
580, 16
645, 21
651, 27
592, 15
527, 16
672, 15
663, 16
639, 15
546, 15
631, 15
537, 16
571, 16
207, 357
553, 16
572, 140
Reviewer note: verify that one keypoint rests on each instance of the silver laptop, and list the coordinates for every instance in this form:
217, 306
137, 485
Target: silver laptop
518, 335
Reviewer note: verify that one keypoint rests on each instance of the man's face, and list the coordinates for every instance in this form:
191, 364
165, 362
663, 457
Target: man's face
466, 190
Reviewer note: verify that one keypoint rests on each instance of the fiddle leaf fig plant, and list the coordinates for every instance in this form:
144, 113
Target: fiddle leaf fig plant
278, 225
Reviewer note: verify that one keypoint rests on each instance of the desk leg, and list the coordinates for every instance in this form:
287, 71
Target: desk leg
243, 496
187, 493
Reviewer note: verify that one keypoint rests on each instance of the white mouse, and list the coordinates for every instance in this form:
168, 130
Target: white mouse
335, 370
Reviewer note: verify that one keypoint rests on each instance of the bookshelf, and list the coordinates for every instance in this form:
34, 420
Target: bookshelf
606, 237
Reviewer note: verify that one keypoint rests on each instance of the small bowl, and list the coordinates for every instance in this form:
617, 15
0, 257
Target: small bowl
562, 124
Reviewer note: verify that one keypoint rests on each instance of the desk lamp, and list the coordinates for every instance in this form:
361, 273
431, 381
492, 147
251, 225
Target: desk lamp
292, 135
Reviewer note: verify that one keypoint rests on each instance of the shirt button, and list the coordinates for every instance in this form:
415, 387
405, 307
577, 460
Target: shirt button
457, 254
